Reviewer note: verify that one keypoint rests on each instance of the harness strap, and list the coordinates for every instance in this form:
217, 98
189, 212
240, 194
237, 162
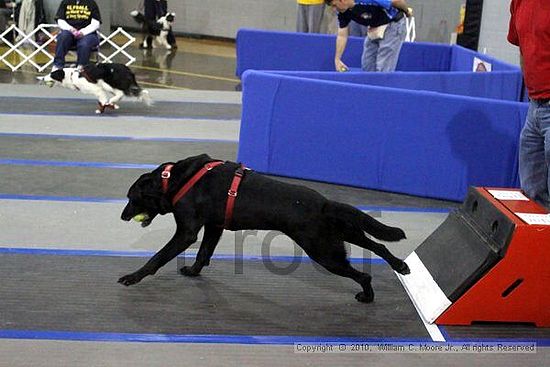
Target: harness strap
232, 195
165, 177
189, 184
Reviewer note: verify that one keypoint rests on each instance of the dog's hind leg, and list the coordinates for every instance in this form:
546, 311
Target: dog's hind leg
182, 239
345, 215
209, 242
331, 254
357, 237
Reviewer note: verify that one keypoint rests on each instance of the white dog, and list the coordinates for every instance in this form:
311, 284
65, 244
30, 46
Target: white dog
109, 82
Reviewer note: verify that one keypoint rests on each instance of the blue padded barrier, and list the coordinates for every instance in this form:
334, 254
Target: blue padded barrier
423, 56
413, 142
268, 50
273, 50
462, 59
504, 85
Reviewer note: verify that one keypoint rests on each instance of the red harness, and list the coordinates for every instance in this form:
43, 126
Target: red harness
231, 194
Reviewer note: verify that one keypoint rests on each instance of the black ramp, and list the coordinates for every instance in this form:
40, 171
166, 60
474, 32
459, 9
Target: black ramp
80, 294
468, 244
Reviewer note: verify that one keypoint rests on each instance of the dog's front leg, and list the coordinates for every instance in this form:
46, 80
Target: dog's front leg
212, 234
179, 243
118, 94
102, 99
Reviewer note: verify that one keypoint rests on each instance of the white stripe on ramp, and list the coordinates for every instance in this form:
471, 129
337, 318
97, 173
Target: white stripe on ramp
426, 296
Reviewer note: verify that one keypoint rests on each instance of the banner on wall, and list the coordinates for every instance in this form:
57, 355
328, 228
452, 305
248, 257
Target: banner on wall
469, 37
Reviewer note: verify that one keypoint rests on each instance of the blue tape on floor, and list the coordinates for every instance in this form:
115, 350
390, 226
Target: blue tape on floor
221, 257
61, 198
243, 339
127, 115
211, 339
116, 138
111, 165
119, 200
367, 208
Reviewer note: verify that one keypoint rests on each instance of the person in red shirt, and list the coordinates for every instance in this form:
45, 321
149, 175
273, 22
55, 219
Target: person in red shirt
530, 30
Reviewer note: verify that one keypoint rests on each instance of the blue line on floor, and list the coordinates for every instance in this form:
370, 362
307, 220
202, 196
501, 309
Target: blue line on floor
111, 165
220, 257
71, 99
61, 198
367, 208
240, 339
115, 138
121, 200
229, 119
210, 339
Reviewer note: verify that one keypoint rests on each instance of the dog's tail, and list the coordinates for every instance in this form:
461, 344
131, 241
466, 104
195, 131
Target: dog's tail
141, 94
344, 215
145, 97
138, 16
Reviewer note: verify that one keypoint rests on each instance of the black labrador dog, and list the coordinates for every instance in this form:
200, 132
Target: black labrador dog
318, 225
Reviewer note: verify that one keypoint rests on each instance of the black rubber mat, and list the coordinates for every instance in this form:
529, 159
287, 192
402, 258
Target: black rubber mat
86, 107
110, 150
80, 293
67, 181
114, 183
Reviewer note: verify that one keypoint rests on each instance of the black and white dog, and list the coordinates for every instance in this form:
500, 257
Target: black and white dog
156, 31
109, 82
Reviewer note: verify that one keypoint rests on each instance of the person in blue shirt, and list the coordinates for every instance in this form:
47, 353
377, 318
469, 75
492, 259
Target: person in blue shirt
386, 33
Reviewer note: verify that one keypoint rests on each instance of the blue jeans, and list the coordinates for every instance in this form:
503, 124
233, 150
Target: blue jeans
381, 55
534, 153
84, 46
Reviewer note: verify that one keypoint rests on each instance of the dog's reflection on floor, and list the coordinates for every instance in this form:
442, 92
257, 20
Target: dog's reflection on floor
159, 59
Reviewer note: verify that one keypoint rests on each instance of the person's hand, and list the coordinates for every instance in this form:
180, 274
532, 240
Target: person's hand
76, 33
340, 66
409, 13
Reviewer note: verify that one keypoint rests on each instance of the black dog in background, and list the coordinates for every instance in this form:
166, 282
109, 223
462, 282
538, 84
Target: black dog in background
318, 225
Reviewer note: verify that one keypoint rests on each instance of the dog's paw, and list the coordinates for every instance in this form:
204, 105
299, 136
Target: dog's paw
402, 268
130, 279
395, 234
98, 111
364, 298
115, 106
188, 271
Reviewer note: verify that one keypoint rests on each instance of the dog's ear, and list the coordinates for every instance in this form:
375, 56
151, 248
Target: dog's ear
58, 75
194, 161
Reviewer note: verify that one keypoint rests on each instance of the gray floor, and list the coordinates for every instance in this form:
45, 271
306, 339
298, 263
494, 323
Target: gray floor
64, 173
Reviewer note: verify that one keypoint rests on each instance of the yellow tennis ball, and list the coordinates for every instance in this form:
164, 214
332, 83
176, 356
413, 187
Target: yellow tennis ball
343, 69
141, 217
